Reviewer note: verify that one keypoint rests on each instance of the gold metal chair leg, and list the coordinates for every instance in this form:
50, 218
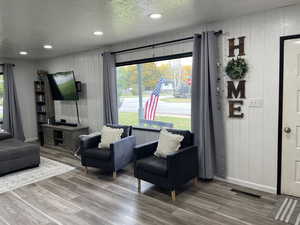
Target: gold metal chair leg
139, 185
173, 195
86, 170
114, 174
195, 181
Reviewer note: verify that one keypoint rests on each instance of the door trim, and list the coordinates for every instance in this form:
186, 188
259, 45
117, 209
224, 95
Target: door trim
280, 110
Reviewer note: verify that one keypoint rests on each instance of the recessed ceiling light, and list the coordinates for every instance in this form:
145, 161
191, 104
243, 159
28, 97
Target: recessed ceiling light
155, 16
48, 46
98, 33
23, 53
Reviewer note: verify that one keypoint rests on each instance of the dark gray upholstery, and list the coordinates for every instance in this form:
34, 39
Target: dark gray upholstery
153, 165
118, 156
172, 172
96, 153
4, 135
16, 155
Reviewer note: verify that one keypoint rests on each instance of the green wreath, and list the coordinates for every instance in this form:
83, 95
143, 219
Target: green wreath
236, 68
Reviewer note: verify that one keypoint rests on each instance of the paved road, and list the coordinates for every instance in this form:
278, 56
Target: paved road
182, 109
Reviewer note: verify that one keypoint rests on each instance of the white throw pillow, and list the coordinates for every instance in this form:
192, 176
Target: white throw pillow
109, 135
167, 143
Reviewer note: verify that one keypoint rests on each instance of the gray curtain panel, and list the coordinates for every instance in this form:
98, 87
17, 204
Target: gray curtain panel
110, 89
207, 121
12, 122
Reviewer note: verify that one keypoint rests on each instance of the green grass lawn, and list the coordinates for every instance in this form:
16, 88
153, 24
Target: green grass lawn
176, 100
131, 118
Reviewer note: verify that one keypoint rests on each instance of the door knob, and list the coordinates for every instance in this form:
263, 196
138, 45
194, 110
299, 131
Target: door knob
287, 130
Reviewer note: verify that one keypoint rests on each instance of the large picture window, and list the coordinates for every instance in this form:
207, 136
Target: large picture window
156, 94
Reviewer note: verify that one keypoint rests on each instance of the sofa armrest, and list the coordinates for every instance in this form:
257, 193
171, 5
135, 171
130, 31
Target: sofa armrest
145, 150
89, 141
183, 165
123, 151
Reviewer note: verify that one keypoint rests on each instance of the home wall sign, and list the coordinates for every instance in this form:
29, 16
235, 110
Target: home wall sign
236, 69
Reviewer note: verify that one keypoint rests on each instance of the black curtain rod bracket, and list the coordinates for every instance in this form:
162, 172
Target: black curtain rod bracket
160, 44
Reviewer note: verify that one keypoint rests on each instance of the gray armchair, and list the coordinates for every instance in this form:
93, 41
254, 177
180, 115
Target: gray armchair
118, 156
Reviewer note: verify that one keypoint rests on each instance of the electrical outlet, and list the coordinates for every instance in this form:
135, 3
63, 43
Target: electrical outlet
255, 102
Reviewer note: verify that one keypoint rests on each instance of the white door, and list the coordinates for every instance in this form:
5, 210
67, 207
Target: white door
291, 119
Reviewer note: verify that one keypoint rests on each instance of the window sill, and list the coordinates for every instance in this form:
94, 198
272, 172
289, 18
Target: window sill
157, 130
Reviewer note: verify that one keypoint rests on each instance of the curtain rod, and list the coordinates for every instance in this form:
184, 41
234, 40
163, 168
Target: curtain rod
2, 64
161, 43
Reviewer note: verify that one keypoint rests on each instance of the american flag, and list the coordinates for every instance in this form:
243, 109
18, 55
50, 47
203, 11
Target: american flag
151, 103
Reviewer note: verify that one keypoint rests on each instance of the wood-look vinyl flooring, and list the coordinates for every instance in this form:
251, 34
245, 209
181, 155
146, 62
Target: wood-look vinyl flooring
76, 198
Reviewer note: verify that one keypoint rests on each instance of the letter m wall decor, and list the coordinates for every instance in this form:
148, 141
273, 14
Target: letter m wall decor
236, 92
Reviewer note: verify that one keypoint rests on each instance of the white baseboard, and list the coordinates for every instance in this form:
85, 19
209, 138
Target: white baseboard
31, 139
248, 184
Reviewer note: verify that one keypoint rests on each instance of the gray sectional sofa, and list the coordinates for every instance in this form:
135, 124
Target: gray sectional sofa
16, 155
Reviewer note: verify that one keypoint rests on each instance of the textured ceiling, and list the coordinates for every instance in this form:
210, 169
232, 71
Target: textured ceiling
69, 24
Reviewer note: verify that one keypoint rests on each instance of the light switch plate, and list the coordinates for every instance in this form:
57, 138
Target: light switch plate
255, 102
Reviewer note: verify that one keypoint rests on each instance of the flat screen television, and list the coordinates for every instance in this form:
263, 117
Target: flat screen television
63, 86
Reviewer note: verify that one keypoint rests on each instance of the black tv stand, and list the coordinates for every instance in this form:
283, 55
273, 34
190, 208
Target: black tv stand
62, 136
